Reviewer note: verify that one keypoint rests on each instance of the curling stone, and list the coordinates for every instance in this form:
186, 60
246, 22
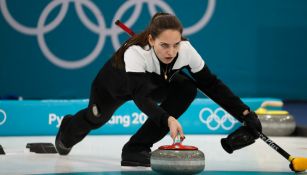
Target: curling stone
275, 122
177, 159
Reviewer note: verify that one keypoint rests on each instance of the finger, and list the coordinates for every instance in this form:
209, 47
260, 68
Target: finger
173, 134
180, 132
182, 138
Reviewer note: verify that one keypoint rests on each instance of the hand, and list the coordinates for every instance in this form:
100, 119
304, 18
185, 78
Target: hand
174, 127
253, 123
238, 139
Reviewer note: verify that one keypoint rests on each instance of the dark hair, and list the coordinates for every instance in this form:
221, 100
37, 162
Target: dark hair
159, 23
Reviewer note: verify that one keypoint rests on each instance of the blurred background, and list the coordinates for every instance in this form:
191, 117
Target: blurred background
53, 49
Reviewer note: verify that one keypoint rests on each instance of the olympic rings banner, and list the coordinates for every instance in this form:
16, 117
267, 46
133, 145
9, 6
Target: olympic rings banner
53, 49
36, 118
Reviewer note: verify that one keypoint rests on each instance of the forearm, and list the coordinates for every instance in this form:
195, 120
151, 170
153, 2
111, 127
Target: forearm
215, 89
152, 110
140, 87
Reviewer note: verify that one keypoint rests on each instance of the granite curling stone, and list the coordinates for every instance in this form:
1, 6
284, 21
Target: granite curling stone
177, 159
275, 122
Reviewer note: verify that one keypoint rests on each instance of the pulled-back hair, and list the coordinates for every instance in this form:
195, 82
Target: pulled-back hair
159, 23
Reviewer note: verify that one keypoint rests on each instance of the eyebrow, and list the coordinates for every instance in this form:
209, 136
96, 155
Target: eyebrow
169, 44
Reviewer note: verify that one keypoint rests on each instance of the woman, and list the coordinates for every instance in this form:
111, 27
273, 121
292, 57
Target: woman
148, 70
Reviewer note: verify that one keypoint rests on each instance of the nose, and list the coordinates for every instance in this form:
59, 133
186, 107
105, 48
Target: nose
172, 52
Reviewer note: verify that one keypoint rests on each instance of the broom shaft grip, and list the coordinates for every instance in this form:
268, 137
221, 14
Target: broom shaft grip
275, 146
124, 27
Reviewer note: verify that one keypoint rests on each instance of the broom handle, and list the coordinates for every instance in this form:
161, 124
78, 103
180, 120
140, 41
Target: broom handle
262, 136
276, 147
124, 27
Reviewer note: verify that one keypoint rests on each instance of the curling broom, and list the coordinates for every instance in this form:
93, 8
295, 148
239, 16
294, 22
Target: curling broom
297, 164
124, 27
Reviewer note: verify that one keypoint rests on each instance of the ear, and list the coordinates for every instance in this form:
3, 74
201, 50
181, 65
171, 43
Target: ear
150, 40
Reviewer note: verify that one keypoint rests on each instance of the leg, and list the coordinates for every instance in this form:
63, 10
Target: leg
178, 97
74, 128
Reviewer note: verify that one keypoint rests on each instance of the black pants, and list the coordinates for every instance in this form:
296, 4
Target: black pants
175, 98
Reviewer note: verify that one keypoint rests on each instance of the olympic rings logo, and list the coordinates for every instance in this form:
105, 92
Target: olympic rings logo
4, 117
101, 30
216, 119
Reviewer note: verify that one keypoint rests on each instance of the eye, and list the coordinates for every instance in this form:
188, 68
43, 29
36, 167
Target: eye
164, 46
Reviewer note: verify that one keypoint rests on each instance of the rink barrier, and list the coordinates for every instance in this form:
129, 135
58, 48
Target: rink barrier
43, 117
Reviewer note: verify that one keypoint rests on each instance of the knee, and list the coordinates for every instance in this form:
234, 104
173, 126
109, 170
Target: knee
94, 116
189, 89
181, 96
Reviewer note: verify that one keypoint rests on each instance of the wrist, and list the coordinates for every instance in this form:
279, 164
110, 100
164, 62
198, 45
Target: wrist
246, 112
170, 118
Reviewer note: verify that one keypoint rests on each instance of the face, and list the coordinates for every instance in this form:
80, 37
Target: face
166, 45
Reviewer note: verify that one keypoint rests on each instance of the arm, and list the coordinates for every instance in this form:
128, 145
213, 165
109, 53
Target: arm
139, 85
215, 89
140, 88
210, 85
222, 95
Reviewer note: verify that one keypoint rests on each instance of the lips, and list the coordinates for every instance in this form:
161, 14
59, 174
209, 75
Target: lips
168, 58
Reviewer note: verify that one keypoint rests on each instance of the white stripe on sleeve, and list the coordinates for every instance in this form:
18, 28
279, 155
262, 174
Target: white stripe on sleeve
134, 61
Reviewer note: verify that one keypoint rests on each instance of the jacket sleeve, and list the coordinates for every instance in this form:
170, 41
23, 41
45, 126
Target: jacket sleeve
215, 89
140, 87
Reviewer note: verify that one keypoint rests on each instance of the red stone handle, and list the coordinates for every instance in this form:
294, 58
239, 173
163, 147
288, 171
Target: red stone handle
177, 145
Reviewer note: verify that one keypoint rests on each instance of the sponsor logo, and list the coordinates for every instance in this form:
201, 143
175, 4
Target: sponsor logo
124, 120
127, 120
53, 118
269, 142
216, 119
